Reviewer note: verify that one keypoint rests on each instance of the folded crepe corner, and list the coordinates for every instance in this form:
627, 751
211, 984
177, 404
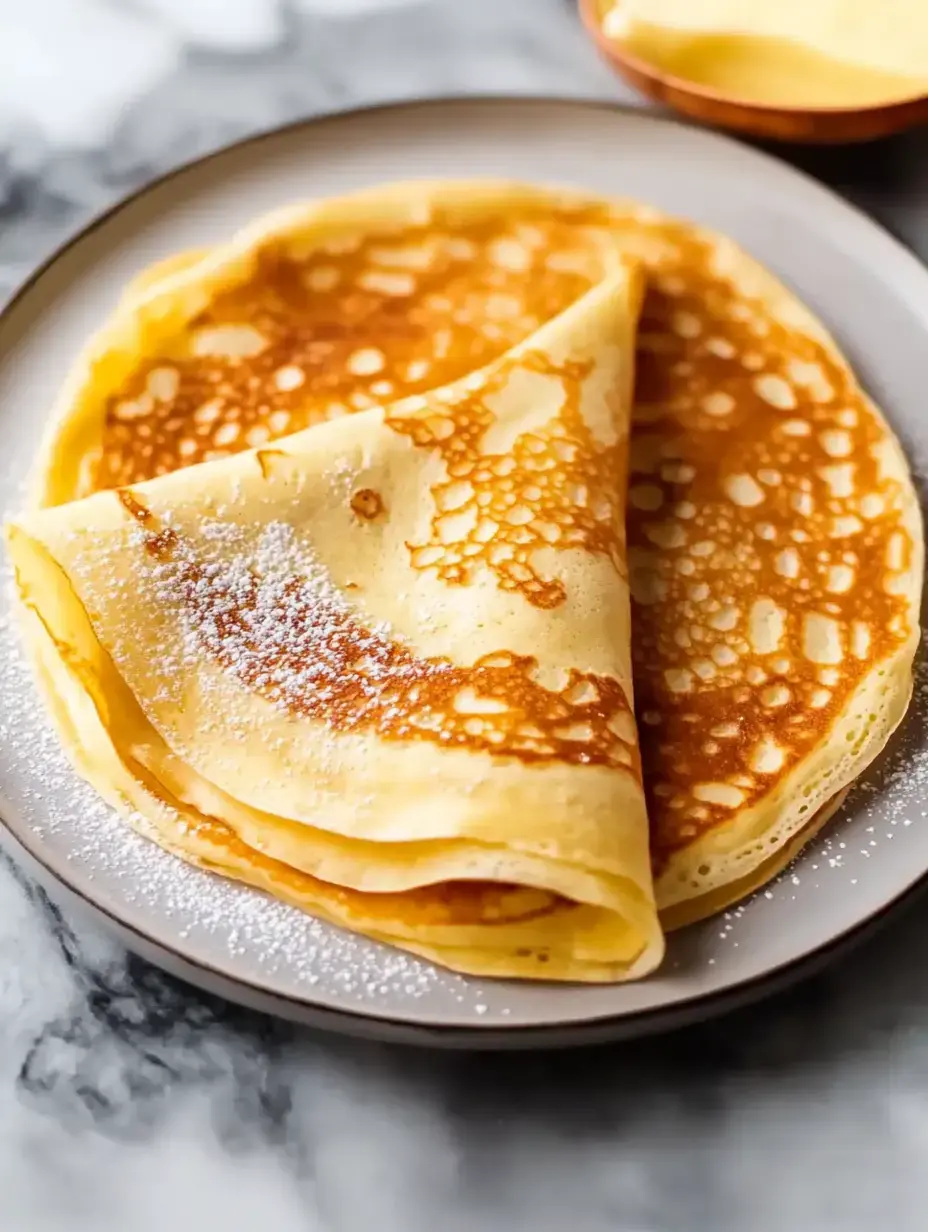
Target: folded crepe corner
382, 668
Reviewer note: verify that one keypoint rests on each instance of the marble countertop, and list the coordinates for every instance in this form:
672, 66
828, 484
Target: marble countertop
129, 1103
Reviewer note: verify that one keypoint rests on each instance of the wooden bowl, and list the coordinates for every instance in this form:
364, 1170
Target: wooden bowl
826, 125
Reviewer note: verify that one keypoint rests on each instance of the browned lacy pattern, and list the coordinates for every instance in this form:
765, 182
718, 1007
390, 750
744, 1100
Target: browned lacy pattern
365, 320
297, 643
556, 487
765, 548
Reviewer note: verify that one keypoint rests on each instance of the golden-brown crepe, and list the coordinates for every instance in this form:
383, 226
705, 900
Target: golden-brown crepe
382, 668
776, 545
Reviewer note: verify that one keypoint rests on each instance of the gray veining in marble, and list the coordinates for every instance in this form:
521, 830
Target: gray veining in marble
129, 1103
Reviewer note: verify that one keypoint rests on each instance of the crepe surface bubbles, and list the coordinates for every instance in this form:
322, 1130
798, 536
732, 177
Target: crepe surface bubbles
383, 667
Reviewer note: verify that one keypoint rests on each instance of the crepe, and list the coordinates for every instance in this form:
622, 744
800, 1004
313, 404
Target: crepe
764, 481
382, 668
776, 560
314, 312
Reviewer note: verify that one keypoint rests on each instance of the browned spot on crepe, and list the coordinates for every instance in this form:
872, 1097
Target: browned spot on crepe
367, 504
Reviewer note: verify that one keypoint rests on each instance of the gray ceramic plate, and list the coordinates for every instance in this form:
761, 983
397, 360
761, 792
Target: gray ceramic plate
232, 940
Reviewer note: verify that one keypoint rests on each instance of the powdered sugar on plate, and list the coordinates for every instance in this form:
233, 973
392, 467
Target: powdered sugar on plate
890, 797
207, 919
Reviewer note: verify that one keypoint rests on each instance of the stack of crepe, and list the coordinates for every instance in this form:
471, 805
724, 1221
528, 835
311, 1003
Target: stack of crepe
347, 571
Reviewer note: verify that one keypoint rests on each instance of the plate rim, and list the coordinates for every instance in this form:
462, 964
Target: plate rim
373, 1022
498, 1037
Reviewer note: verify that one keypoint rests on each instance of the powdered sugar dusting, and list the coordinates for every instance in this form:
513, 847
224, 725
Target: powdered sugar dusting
271, 617
211, 919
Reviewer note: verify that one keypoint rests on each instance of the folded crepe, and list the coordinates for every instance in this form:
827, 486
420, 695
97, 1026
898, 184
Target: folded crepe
776, 543
314, 312
776, 559
382, 668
